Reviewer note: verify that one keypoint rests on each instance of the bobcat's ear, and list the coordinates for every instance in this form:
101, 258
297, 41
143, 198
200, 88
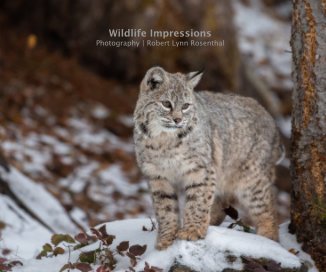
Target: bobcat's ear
154, 77
193, 78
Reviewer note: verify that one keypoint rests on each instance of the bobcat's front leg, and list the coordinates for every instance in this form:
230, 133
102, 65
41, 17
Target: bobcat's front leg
166, 210
199, 196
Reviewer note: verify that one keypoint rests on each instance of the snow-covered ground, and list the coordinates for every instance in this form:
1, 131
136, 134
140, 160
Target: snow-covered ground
73, 172
23, 236
38, 201
84, 165
67, 175
289, 242
266, 43
210, 254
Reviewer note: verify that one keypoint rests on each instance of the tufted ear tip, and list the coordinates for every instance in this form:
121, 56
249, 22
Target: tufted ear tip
154, 77
193, 78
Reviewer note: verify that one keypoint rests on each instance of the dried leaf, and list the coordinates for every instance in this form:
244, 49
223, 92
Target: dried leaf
45, 250
82, 238
96, 233
102, 268
84, 267
137, 250
108, 240
41, 254
58, 238
67, 266
102, 235
110, 257
6, 251
88, 257
4, 267
103, 232
133, 260
58, 251
123, 246
47, 247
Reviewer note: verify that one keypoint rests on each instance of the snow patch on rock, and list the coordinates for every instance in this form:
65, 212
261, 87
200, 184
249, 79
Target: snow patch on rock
206, 255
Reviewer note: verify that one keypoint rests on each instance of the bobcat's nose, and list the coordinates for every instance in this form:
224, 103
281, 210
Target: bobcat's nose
177, 120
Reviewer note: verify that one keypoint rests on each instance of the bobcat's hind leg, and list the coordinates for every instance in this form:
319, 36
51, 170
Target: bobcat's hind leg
258, 199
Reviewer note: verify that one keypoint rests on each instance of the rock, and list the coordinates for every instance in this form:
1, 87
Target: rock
223, 250
261, 265
180, 268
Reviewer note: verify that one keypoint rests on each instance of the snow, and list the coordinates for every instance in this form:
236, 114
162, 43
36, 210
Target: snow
22, 234
100, 112
120, 183
289, 241
60, 148
285, 125
210, 254
265, 40
39, 201
203, 255
79, 216
94, 174
73, 159
285, 162
283, 204
127, 120
26, 150
85, 136
79, 178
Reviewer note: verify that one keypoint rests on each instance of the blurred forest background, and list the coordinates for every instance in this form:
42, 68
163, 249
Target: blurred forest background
66, 105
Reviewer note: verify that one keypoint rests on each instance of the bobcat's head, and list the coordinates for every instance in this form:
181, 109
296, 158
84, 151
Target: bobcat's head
168, 99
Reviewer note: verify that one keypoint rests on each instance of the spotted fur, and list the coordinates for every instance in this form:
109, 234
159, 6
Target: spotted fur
212, 148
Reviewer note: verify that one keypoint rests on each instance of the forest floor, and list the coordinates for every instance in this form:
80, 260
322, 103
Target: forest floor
66, 134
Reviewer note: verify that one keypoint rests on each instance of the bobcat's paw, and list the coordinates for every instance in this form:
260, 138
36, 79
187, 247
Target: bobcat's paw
162, 244
271, 233
192, 233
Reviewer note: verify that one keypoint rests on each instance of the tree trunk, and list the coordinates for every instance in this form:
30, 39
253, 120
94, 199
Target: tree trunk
309, 127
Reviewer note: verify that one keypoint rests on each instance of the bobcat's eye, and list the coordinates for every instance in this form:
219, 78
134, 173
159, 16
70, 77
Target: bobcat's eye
185, 106
167, 104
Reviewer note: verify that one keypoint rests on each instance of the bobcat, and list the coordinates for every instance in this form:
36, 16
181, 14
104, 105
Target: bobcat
212, 148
